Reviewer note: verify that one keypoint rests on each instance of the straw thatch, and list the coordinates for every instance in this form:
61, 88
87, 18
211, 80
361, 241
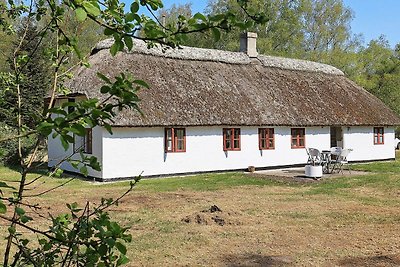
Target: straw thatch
193, 87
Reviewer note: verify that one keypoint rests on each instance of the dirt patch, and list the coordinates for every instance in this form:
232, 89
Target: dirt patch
285, 178
258, 260
213, 215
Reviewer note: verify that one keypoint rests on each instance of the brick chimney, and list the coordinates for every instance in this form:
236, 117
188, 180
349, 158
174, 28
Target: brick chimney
248, 43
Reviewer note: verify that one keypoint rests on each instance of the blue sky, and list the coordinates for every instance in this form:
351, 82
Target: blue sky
372, 17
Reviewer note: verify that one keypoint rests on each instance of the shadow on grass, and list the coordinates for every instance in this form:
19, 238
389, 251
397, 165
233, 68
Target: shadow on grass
379, 260
36, 168
257, 260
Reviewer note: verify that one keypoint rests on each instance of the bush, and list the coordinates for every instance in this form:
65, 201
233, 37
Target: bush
9, 149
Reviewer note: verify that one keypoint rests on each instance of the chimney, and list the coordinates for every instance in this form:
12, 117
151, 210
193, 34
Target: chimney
248, 43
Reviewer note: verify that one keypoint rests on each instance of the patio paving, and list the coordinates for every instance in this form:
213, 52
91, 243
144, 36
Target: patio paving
297, 174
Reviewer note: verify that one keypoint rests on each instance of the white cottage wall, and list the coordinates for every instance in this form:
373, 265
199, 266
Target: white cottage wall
131, 151
56, 152
361, 140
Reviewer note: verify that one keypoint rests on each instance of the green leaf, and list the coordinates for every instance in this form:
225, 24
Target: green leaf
45, 128
80, 14
91, 9
84, 170
122, 260
128, 238
3, 208
24, 242
103, 249
130, 17
108, 31
216, 34
64, 143
134, 7
19, 211
78, 129
200, 16
121, 247
25, 219
58, 173
141, 83
11, 230
104, 89
128, 42
114, 49
103, 77
108, 128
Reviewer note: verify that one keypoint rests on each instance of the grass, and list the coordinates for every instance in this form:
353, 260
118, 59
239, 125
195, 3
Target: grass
268, 221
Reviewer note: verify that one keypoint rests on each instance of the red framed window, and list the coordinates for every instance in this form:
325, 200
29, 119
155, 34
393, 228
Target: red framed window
231, 138
175, 140
378, 136
88, 144
266, 138
298, 137
84, 143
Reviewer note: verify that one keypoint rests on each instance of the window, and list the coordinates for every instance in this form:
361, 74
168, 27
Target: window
378, 136
71, 108
266, 138
175, 140
231, 138
84, 143
88, 141
298, 137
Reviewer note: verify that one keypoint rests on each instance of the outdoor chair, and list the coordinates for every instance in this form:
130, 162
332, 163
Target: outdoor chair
336, 150
314, 156
341, 160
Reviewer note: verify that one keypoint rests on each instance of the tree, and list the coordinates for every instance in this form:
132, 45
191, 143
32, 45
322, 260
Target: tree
379, 71
86, 235
308, 29
33, 78
6, 39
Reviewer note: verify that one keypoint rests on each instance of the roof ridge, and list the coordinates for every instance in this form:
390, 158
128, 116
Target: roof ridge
206, 54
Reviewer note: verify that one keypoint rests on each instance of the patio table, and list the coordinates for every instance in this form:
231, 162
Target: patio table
326, 160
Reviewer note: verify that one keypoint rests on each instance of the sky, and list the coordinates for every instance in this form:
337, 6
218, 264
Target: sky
372, 18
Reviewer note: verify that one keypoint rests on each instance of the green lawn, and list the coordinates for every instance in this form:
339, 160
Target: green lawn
351, 220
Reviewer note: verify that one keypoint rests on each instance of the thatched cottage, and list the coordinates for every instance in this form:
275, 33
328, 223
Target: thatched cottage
211, 110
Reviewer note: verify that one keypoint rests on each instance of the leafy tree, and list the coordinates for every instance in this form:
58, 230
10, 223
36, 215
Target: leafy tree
281, 35
379, 71
85, 237
33, 78
6, 39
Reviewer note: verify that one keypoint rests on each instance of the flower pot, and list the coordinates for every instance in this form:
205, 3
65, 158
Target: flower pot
313, 171
251, 169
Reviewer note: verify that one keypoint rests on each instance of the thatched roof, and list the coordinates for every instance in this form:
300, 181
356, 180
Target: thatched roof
193, 87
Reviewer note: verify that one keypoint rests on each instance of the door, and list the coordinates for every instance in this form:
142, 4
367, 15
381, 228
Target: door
336, 137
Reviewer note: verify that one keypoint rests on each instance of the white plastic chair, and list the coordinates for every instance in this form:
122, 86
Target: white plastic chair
314, 156
341, 160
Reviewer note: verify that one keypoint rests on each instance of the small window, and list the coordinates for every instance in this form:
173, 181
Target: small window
84, 143
266, 138
378, 136
298, 137
231, 138
175, 140
71, 108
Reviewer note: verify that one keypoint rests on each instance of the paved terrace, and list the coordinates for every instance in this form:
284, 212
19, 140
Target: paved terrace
297, 174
